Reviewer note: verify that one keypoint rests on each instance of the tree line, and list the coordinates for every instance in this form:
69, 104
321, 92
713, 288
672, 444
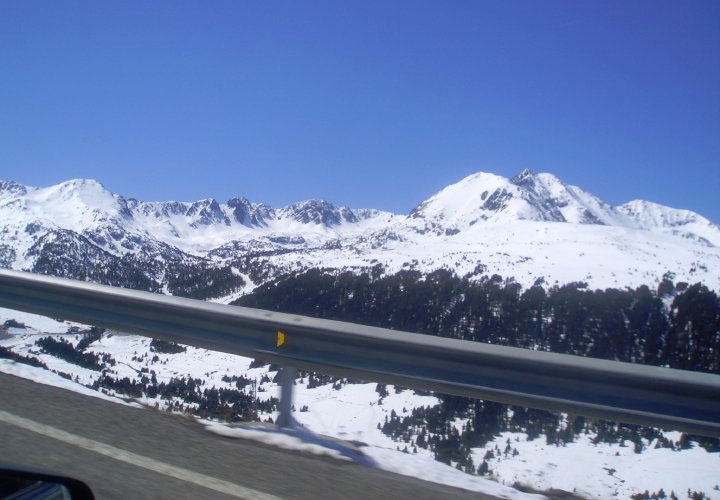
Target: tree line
675, 325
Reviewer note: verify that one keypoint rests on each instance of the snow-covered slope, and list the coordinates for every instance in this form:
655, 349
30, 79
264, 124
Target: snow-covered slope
684, 223
528, 227
356, 411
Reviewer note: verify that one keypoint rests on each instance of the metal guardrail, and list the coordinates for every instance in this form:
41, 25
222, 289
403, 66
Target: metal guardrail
625, 392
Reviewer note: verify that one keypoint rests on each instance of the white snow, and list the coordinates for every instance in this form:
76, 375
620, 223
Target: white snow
391, 460
426, 468
655, 216
299, 440
35, 322
584, 467
43, 376
75, 205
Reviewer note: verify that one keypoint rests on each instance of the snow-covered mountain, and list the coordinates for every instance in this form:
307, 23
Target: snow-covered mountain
484, 197
531, 227
527, 227
685, 223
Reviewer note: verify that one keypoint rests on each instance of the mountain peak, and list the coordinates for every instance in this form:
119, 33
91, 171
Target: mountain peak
484, 197
81, 184
477, 197
12, 187
87, 191
319, 212
648, 214
206, 212
522, 176
249, 214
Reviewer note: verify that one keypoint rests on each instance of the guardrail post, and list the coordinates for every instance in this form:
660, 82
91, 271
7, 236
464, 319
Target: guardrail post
287, 380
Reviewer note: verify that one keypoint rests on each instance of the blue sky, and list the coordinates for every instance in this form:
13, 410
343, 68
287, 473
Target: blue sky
369, 104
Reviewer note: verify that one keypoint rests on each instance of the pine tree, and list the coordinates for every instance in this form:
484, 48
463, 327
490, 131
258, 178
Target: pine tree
483, 469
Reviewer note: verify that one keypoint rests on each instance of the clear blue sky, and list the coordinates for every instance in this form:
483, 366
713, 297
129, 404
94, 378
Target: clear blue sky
369, 104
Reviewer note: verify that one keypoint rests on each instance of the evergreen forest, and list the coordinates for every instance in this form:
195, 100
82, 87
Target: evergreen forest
676, 325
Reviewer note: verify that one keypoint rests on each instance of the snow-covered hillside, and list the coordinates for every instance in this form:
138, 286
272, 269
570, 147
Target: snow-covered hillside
532, 227
356, 411
529, 227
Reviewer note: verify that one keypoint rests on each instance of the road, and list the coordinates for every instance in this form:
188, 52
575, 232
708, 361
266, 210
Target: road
124, 452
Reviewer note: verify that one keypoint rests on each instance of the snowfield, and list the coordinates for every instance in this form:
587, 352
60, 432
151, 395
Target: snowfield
604, 470
353, 413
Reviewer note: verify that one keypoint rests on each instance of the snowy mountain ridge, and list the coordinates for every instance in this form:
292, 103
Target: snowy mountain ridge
527, 227
542, 197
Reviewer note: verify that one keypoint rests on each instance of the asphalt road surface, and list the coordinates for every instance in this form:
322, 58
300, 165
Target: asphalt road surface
124, 452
